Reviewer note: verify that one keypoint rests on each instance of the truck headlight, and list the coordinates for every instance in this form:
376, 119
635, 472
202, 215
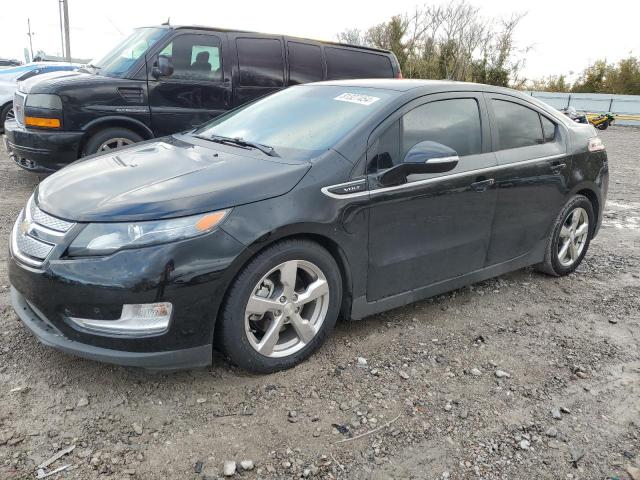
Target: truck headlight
45, 111
44, 100
107, 238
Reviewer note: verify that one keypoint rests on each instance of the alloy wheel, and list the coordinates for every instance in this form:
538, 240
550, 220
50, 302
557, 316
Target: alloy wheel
10, 115
286, 309
114, 143
573, 236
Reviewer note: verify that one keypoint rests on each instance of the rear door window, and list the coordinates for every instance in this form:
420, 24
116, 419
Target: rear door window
260, 62
343, 63
517, 125
195, 57
305, 63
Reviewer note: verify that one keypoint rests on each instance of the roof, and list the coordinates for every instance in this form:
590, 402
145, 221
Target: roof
231, 30
428, 86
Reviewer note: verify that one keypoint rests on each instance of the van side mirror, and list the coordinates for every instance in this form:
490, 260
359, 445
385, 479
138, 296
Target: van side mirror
423, 157
162, 67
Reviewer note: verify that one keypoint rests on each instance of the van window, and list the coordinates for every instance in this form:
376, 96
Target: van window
343, 63
260, 62
518, 126
305, 63
195, 57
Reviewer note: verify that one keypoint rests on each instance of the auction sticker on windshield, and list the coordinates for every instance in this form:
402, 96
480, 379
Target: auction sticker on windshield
357, 98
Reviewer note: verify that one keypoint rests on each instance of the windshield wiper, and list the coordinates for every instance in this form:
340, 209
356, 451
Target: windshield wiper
266, 149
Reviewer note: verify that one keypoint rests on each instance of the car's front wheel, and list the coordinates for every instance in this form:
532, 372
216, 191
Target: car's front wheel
569, 238
281, 306
110, 139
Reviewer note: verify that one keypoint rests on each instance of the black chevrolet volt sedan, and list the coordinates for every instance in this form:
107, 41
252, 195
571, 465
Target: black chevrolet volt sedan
253, 233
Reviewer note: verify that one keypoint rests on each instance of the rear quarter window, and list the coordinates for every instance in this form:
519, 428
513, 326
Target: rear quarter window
343, 63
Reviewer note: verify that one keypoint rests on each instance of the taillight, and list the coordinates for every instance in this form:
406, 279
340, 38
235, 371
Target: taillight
595, 144
399, 75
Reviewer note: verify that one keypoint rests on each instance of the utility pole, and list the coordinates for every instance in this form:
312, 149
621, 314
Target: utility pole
30, 33
61, 28
67, 45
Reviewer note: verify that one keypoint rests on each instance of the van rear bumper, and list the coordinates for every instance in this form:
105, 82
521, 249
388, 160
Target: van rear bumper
49, 150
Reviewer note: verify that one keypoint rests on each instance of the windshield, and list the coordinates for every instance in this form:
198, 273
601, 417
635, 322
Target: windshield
301, 121
119, 60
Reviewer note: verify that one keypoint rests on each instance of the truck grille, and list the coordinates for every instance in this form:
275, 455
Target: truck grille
35, 234
18, 107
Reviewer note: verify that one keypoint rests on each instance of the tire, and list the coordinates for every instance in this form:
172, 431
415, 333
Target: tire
3, 115
115, 135
553, 263
240, 333
603, 126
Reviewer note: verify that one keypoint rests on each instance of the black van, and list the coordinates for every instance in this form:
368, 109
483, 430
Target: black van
166, 79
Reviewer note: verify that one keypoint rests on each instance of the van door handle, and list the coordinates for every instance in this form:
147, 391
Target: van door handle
557, 167
482, 183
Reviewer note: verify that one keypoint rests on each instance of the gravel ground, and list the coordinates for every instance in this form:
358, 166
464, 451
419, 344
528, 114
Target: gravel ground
413, 393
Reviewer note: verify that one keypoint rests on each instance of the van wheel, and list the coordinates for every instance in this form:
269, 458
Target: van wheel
110, 139
281, 307
569, 238
6, 113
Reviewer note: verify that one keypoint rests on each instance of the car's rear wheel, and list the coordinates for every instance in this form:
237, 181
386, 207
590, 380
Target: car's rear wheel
281, 307
110, 139
569, 238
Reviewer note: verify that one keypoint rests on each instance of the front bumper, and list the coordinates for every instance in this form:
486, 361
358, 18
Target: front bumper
49, 335
192, 275
44, 150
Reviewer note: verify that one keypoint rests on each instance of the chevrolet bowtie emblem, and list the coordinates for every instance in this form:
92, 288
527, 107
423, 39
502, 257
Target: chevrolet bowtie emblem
24, 227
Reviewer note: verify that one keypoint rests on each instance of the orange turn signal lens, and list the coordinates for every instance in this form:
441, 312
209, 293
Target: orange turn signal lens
210, 220
42, 122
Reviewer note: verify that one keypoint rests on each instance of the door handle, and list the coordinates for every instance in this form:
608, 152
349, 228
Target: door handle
557, 167
482, 183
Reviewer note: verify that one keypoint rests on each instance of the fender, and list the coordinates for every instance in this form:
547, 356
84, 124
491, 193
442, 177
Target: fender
121, 121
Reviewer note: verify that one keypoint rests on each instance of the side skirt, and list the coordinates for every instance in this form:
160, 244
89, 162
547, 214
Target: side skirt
361, 308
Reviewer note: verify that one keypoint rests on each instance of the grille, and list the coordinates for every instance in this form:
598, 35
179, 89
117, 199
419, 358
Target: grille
47, 220
18, 107
32, 247
35, 234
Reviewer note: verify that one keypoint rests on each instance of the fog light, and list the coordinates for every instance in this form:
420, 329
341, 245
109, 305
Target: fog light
136, 320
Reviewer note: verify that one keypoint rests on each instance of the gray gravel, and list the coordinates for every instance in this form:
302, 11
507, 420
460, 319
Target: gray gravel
412, 393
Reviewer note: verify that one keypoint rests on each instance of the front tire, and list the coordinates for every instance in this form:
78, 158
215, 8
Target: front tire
6, 112
281, 307
110, 139
570, 238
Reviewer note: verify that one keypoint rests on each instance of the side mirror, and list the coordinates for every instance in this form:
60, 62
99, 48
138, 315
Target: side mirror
162, 67
423, 157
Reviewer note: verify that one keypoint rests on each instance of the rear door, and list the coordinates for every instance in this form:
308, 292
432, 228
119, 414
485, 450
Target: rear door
532, 180
345, 63
199, 88
259, 67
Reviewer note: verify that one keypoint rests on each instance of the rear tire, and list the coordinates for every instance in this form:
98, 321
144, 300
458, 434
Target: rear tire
110, 139
260, 302
570, 238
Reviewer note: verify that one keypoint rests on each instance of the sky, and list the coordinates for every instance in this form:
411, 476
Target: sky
564, 36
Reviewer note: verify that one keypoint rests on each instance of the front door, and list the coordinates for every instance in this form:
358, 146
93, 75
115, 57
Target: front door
199, 88
531, 180
433, 227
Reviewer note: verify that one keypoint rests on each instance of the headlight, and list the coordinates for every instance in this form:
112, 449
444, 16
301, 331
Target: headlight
106, 238
44, 100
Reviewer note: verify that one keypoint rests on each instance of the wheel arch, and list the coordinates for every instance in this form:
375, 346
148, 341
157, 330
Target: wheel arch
111, 121
591, 192
329, 244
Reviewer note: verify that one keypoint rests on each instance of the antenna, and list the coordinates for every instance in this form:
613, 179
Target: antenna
167, 22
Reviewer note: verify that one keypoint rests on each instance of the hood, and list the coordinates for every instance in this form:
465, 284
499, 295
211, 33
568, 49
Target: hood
170, 177
62, 80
